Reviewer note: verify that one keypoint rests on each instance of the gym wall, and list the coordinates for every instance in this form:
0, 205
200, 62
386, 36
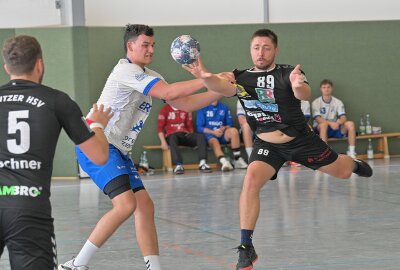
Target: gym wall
361, 58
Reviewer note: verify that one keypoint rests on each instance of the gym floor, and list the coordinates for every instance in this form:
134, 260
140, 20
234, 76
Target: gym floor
308, 220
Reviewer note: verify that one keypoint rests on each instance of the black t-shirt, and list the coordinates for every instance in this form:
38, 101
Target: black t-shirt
269, 102
31, 118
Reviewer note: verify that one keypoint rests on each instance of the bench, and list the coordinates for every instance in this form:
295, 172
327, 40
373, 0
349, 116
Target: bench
382, 150
167, 160
383, 145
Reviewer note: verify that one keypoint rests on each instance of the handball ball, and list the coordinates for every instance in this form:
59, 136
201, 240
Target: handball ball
185, 49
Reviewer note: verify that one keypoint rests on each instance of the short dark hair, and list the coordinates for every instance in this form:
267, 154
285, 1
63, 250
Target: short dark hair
326, 81
20, 54
132, 31
266, 33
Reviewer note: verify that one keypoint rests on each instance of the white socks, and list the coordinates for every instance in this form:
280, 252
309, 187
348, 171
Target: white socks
249, 150
152, 262
202, 162
85, 254
222, 160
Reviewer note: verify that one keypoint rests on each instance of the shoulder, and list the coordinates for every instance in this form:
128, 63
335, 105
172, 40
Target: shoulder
337, 101
316, 101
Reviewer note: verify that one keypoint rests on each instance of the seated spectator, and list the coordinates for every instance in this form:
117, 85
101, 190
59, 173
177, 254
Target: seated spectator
175, 127
306, 109
247, 133
330, 119
215, 121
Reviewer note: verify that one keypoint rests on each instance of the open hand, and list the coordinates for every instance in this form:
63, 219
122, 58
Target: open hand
99, 115
197, 69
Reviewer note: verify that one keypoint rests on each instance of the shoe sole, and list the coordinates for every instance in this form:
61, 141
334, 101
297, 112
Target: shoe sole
250, 267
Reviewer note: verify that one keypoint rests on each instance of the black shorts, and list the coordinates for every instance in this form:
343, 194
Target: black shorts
307, 149
29, 237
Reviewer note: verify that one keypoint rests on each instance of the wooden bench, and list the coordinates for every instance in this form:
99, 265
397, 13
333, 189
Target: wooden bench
382, 150
167, 160
383, 145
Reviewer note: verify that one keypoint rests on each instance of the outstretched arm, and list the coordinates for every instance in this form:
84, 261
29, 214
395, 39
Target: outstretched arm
195, 102
216, 83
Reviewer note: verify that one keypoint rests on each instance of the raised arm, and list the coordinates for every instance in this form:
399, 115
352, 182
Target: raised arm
301, 90
216, 83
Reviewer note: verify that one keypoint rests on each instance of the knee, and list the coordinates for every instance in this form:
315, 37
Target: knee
251, 183
349, 125
323, 126
126, 209
232, 132
345, 174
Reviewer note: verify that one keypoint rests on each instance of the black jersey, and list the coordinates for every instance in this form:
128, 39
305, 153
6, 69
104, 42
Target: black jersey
31, 118
268, 100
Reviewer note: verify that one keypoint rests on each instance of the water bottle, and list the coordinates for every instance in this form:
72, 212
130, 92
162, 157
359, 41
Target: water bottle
368, 126
362, 126
370, 150
143, 161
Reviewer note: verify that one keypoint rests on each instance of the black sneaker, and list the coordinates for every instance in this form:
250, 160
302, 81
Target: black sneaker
247, 256
205, 168
363, 169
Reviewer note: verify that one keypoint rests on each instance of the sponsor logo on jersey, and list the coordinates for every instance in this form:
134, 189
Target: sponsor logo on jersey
240, 91
141, 77
262, 117
215, 123
254, 104
20, 191
138, 127
145, 107
21, 164
322, 110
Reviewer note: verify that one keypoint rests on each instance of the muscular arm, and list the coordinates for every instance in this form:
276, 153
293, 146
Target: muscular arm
96, 147
195, 102
169, 92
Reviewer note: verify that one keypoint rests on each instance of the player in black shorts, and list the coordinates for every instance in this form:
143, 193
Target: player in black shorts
31, 118
270, 95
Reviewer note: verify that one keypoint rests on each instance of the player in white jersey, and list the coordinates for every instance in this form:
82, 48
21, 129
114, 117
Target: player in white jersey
330, 119
245, 129
128, 92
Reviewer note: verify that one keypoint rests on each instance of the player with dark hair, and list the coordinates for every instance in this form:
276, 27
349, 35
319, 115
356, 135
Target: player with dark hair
128, 91
31, 118
270, 94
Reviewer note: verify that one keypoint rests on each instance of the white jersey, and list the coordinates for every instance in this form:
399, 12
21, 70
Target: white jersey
239, 109
126, 92
305, 108
330, 111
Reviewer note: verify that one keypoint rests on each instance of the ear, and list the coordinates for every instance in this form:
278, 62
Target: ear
39, 65
6, 69
129, 46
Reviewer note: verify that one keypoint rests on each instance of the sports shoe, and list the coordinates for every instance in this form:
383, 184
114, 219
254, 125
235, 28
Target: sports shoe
363, 169
226, 166
70, 266
247, 257
240, 163
205, 168
179, 169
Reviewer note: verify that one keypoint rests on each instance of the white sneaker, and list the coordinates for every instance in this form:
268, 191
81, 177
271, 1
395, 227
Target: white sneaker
70, 266
179, 169
240, 163
226, 166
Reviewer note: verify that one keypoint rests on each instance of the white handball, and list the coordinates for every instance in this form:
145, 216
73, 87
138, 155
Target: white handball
185, 49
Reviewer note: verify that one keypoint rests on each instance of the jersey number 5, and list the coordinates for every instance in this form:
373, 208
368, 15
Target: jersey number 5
21, 127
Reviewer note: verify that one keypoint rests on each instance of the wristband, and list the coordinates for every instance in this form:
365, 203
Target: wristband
96, 125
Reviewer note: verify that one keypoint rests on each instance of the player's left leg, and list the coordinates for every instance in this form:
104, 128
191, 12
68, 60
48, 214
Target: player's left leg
146, 233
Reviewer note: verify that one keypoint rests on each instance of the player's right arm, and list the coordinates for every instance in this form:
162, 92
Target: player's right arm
216, 83
169, 92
